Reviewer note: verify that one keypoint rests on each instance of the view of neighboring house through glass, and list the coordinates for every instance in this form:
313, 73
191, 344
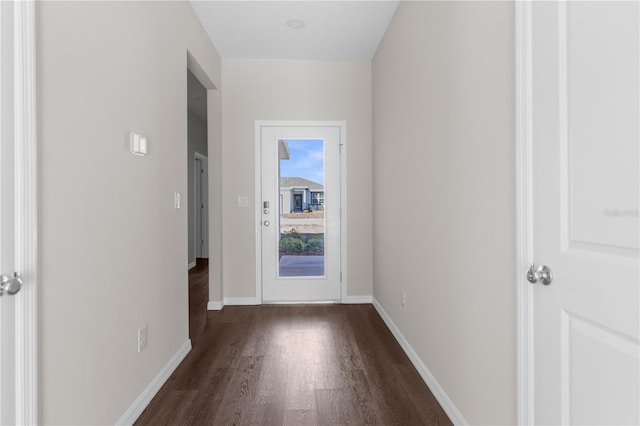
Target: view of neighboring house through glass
317, 199
302, 202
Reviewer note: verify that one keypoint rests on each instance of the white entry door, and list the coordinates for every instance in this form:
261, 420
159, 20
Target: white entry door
300, 213
586, 138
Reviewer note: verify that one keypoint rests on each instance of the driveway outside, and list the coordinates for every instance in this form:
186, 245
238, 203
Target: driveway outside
302, 266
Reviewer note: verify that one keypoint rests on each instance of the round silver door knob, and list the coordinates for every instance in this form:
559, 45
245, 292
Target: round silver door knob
267, 223
542, 273
10, 285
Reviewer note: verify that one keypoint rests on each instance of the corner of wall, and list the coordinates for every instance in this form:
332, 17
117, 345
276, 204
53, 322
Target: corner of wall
137, 407
447, 404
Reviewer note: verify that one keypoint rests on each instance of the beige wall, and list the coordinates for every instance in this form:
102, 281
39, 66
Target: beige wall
293, 90
113, 250
444, 196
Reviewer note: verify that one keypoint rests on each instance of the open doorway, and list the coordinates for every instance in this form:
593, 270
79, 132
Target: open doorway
198, 205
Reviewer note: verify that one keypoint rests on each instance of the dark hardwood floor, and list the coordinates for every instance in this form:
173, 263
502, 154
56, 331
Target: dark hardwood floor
291, 365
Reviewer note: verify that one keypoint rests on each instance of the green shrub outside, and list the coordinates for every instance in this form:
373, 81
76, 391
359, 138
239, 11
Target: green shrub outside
294, 243
315, 243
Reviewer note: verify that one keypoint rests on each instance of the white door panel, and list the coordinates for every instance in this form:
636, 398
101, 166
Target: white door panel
586, 139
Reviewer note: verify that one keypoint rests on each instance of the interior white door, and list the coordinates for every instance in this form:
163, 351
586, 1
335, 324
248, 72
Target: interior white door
197, 206
303, 265
586, 137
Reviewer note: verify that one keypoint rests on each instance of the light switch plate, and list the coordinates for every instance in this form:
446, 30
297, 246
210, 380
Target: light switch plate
243, 201
137, 144
142, 338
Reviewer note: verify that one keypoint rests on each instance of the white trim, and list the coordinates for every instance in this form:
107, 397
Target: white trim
342, 125
243, 301
258, 211
26, 219
133, 412
357, 300
447, 405
300, 302
192, 265
215, 305
524, 215
344, 215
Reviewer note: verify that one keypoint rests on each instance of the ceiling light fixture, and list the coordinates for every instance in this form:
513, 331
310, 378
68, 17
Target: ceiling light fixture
296, 24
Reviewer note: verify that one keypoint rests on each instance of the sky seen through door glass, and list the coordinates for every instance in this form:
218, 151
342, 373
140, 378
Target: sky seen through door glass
306, 160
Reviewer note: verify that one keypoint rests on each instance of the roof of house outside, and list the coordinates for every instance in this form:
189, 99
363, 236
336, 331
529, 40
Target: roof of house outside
298, 182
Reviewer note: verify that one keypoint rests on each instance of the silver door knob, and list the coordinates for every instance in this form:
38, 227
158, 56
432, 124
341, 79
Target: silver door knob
267, 223
542, 273
10, 285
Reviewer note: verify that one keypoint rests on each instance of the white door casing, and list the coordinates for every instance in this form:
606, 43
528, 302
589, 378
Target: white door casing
272, 287
18, 213
578, 200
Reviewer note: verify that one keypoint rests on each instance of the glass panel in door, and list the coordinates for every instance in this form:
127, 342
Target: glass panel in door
302, 222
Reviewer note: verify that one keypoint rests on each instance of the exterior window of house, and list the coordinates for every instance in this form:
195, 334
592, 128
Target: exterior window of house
317, 198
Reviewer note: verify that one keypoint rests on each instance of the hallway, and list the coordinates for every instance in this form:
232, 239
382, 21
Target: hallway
291, 364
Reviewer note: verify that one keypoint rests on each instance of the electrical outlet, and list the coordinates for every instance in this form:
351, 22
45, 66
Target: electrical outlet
404, 298
142, 338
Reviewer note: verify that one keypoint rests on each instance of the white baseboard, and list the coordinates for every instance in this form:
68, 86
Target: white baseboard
357, 300
215, 305
141, 402
446, 403
242, 301
192, 265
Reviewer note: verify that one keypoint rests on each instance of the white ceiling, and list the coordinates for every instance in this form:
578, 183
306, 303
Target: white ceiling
334, 30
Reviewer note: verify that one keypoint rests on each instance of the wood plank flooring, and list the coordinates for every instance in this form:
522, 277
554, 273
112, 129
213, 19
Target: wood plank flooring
291, 365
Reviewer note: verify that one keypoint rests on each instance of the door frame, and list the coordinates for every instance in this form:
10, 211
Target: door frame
524, 214
342, 125
25, 210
